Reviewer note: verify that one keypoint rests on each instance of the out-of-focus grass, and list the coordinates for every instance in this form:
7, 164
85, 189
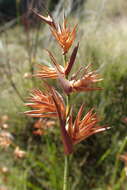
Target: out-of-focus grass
103, 38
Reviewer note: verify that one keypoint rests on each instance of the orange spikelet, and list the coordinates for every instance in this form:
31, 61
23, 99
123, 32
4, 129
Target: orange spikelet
49, 19
64, 36
86, 81
43, 104
81, 129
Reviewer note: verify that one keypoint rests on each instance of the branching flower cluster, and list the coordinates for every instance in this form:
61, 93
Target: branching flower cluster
50, 103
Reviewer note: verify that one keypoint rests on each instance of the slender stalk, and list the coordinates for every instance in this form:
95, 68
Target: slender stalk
118, 184
66, 157
64, 60
117, 162
66, 163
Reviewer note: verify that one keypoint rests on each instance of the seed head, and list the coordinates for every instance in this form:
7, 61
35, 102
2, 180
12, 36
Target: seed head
81, 129
64, 36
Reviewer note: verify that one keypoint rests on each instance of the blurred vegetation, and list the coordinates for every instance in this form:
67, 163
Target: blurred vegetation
95, 165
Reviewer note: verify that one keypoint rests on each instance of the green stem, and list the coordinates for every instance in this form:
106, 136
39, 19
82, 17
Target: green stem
66, 157
117, 162
66, 163
65, 60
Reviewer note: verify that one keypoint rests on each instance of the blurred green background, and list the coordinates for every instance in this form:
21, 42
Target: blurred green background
102, 33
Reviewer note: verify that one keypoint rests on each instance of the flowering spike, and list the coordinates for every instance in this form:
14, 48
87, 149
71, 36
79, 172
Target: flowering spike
82, 129
51, 104
46, 72
43, 104
64, 36
86, 82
